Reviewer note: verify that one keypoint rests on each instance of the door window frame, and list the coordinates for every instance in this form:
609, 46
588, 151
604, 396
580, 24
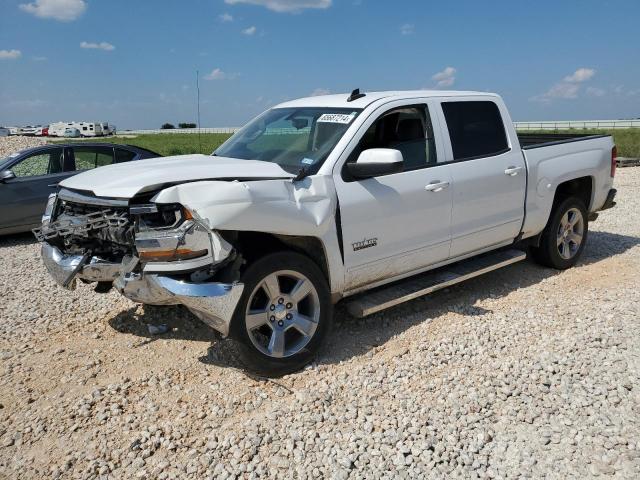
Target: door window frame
42, 151
429, 102
75, 163
444, 130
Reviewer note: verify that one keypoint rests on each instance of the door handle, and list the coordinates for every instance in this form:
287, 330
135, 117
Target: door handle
436, 186
52, 185
512, 171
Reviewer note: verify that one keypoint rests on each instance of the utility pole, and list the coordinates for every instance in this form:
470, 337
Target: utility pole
198, 90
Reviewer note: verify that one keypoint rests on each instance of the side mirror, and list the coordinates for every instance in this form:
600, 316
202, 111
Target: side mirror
6, 175
375, 162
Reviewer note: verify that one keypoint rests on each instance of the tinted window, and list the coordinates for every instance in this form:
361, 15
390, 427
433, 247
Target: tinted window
407, 129
475, 129
92, 157
42, 163
124, 155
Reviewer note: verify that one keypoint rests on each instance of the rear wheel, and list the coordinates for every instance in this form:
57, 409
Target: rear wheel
284, 314
565, 235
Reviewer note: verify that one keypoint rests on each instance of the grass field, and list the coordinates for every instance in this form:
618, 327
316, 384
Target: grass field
627, 141
169, 143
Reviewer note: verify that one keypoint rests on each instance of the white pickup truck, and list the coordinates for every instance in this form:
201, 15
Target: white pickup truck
371, 199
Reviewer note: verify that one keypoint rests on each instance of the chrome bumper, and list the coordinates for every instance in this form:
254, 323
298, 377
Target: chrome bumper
213, 303
66, 268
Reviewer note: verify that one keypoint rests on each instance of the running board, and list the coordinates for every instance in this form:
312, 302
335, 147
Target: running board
411, 288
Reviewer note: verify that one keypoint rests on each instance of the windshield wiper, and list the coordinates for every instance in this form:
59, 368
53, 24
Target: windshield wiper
302, 173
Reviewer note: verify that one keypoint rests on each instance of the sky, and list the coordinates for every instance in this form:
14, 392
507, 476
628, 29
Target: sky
134, 63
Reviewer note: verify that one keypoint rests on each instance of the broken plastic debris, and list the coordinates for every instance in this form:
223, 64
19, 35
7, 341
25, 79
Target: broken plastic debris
158, 329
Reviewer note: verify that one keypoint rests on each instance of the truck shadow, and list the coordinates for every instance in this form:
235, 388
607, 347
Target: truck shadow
354, 337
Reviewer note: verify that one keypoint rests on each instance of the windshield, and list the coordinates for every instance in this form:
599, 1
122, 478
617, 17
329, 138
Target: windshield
291, 137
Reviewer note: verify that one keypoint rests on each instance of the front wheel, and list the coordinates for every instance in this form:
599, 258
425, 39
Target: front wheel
565, 235
284, 314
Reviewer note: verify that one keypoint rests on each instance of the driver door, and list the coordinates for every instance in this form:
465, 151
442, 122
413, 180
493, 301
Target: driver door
398, 223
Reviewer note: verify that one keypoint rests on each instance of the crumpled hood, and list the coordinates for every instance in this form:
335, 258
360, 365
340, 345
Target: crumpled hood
124, 180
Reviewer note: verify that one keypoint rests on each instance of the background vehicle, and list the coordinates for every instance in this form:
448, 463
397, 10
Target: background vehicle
90, 129
374, 198
31, 131
4, 132
28, 177
71, 133
108, 129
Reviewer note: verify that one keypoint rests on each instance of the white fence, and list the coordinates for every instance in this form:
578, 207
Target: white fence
179, 130
578, 124
546, 125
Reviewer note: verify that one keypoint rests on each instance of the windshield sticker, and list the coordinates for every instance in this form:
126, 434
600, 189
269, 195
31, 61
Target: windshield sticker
336, 118
308, 161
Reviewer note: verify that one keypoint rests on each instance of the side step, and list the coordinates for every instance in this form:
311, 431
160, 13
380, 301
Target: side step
411, 288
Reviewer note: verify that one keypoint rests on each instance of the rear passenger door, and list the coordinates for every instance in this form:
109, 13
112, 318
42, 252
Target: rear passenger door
91, 156
489, 176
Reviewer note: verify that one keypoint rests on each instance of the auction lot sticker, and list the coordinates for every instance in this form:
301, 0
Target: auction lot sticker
336, 118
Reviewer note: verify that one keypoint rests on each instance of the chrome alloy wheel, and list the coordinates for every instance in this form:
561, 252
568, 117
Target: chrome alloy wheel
570, 233
282, 314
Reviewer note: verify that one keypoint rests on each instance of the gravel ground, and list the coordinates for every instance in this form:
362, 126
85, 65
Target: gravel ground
9, 145
524, 372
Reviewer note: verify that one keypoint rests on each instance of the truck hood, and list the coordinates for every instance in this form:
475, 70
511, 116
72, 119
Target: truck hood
124, 180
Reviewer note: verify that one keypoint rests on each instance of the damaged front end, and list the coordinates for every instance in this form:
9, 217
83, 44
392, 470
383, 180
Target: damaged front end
157, 254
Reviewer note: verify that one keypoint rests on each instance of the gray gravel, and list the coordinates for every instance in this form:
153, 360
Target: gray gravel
524, 372
9, 145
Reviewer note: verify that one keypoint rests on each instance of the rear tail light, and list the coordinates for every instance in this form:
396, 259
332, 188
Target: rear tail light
614, 156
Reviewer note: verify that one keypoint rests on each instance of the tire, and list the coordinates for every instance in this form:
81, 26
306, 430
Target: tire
565, 235
287, 326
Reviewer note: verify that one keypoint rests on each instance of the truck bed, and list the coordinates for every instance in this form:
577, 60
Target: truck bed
536, 140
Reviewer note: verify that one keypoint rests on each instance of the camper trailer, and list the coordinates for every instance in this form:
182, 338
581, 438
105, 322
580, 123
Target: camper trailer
57, 129
90, 129
108, 129
87, 129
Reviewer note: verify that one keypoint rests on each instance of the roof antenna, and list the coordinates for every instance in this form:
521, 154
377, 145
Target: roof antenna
356, 95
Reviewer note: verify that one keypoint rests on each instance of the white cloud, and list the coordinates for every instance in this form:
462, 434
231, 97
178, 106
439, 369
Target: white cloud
63, 10
225, 17
249, 31
580, 75
445, 78
288, 6
407, 29
320, 91
569, 87
218, 74
39, 59
595, 92
97, 46
10, 54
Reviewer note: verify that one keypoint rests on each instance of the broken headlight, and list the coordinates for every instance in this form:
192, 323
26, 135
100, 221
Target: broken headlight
168, 233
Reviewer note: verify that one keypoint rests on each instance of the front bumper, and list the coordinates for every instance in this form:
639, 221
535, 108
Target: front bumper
212, 302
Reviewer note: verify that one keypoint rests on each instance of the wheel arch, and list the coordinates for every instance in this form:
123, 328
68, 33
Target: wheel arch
580, 187
255, 245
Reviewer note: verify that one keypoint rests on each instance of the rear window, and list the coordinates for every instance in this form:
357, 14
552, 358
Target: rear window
475, 129
124, 155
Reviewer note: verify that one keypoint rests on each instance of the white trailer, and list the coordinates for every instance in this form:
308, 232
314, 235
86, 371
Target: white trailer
57, 129
90, 129
87, 129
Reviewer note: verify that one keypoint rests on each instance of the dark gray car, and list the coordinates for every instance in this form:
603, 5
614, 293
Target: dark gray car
28, 177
